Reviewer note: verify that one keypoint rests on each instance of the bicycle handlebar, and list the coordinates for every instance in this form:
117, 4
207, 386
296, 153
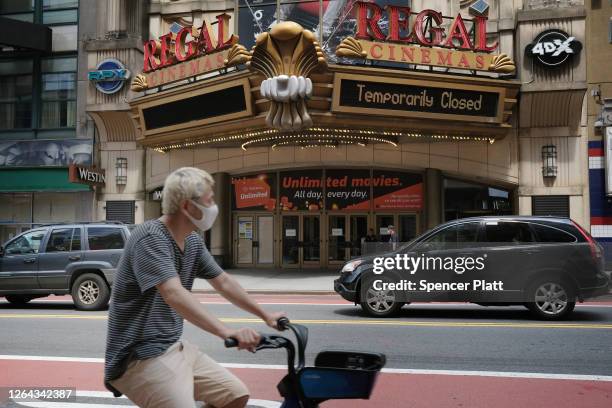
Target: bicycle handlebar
231, 342
281, 323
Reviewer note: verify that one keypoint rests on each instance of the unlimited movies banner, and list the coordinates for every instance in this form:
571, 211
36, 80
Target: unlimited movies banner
347, 190
256, 192
397, 191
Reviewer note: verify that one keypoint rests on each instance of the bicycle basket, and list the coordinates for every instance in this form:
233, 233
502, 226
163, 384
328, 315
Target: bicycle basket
336, 383
356, 360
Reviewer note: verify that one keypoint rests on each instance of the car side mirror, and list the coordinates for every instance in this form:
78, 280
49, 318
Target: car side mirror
1, 251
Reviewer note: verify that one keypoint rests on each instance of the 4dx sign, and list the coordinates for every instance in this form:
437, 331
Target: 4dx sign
553, 48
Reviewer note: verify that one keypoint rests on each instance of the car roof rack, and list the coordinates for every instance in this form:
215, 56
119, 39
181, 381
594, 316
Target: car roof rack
81, 222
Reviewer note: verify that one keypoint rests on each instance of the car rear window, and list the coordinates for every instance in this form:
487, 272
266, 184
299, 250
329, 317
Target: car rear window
513, 232
100, 238
551, 234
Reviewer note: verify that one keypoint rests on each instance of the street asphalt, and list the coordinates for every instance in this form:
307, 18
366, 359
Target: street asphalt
453, 337
449, 337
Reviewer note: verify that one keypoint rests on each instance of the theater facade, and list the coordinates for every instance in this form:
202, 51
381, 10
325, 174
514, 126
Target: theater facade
393, 115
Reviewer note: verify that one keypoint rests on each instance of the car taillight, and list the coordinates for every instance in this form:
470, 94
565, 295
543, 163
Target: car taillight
595, 250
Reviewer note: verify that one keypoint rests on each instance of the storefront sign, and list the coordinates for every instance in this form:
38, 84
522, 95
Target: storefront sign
188, 43
397, 191
86, 175
417, 55
156, 195
197, 66
255, 192
109, 76
347, 189
301, 190
553, 48
423, 38
212, 104
396, 97
427, 30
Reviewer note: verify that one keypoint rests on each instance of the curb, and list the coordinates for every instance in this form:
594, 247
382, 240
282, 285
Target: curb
271, 292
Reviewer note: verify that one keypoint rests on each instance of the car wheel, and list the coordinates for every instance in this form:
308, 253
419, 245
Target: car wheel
90, 292
18, 299
551, 299
379, 303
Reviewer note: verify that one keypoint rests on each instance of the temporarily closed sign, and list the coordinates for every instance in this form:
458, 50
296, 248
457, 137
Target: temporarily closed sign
413, 99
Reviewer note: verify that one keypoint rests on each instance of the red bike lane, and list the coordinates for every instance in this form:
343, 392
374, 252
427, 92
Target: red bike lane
393, 390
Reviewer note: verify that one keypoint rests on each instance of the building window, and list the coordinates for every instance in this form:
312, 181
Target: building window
16, 94
49, 12
59, 11
22, 10
463, 199
58, 92
39, 91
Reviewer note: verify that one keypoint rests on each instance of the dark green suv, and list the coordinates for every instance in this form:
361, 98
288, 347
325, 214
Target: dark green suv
76, 259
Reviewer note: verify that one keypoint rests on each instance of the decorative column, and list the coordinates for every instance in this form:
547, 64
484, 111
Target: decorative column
220, 237
433, 200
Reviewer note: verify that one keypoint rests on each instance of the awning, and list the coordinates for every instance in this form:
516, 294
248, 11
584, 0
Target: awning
21, 34
35, 180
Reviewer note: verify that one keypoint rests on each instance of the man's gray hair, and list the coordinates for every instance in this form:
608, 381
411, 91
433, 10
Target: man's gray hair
184, 184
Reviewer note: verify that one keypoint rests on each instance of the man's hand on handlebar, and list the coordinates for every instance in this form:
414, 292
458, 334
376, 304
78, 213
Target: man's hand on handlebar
248, 339
271, 319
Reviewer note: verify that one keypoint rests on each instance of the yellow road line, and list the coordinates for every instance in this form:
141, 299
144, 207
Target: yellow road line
373, 322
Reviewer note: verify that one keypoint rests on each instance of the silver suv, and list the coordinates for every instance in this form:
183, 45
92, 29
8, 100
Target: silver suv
76, 259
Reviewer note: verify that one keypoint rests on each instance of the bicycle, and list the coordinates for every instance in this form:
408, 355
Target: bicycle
335, 375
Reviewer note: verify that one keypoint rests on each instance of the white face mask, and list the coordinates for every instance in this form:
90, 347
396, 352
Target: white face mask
209, 214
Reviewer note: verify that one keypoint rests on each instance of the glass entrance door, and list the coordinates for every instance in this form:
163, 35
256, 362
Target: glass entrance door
359, 232
254, 240
301, 241
244, 240
407, 227
290, 241
336, 241
311, 240
265, 240
383, 221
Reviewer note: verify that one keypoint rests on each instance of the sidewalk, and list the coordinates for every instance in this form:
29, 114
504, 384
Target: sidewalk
294, 281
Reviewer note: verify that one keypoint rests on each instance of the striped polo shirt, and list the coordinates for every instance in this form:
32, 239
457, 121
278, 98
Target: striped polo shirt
140, 323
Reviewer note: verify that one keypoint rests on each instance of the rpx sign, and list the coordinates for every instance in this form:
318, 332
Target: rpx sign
554, 47
427, 29
188, 43
109, 76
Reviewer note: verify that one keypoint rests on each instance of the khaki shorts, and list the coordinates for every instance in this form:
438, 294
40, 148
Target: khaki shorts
178, 378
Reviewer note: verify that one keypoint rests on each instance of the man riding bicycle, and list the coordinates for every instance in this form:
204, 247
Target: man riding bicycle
145, 358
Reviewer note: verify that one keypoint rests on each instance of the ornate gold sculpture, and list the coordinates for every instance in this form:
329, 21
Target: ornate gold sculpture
350, 47
238, 54
503, 64
285, 56
139, 83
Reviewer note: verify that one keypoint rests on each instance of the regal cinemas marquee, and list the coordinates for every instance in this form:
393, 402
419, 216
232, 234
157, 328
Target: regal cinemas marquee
311, 148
